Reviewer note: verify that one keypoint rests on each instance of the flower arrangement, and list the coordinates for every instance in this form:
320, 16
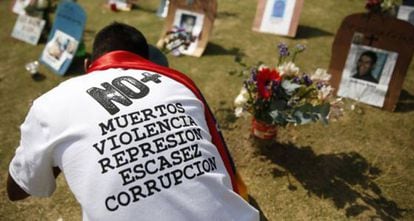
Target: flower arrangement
177, 40
382, 6
285, 95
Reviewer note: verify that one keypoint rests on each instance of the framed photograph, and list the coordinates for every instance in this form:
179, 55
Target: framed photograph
59, 49
191, 22
278, 16
406, 13
188, 26
367, 74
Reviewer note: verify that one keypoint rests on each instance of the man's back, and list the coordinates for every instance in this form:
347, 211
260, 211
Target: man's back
132, 144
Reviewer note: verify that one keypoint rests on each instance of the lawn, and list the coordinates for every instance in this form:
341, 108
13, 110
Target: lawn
360, 167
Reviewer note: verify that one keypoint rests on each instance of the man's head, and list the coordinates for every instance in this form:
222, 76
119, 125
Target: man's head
118, 36
366, 62
188, 22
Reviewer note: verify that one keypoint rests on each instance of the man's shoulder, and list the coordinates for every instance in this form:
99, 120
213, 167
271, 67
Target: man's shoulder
64, 90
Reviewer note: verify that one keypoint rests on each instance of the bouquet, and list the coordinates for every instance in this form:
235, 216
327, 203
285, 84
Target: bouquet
285, 95
177, 40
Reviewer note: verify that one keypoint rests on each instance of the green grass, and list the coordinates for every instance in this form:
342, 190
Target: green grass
358, 168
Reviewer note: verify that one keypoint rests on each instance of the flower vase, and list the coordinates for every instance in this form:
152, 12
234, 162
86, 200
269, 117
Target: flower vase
263, 131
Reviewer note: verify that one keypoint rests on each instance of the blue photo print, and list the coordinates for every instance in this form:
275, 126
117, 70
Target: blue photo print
279, 8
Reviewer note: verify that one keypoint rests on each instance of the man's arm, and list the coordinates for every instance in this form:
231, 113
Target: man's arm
15, 192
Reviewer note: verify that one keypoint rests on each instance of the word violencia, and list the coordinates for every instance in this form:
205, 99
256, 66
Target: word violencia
150, 150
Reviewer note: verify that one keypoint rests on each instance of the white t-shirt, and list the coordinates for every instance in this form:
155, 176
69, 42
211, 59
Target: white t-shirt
132, 145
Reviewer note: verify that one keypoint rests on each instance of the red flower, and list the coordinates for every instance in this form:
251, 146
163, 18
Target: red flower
265, 77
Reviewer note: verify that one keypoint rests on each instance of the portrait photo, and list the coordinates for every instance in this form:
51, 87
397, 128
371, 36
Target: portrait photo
368, 65
187, 22
60, 48
406, 13
367, 74
192, 23
279, 17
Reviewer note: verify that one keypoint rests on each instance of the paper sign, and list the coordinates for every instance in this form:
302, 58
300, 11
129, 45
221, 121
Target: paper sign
59, 49
64, 37
28, 29
279, 17
367, 74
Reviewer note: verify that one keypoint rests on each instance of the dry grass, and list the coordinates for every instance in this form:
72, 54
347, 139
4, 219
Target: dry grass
359, 168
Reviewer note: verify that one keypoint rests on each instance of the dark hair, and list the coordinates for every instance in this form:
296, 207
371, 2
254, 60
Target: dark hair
118, 36
371, 55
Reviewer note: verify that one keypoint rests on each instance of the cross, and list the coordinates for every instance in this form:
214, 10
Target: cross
151, 77
371, 39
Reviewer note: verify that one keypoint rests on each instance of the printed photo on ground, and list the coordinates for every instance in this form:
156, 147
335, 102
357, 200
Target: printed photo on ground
367, 74
59, 49
193, 23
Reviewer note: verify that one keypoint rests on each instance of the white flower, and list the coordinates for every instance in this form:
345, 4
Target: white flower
325, 91
242, 98
288, 68
239, 112
261, 67
320, 75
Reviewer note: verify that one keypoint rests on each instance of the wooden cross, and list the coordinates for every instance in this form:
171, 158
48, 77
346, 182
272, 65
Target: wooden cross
371, 39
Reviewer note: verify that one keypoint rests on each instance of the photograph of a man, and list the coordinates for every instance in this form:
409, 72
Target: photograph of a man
367, 74
188, 22
365, 67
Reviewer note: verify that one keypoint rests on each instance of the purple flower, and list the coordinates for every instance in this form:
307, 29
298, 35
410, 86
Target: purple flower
296, 80
319, 85
253, 74
307, 80
283, 50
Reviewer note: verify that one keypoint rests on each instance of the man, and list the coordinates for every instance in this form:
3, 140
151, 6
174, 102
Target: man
365, 66
134, 140
188, 22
